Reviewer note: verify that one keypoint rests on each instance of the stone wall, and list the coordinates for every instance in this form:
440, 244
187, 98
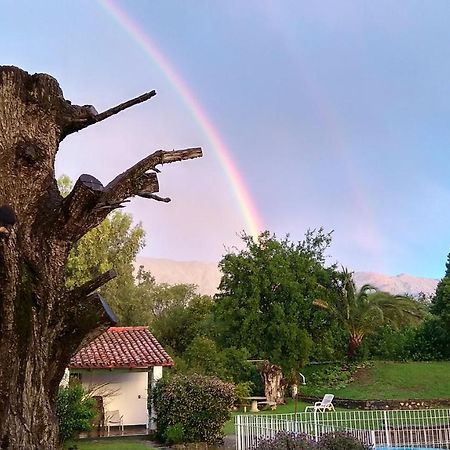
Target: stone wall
383, 404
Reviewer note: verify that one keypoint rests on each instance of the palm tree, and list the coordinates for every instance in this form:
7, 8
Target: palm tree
362, 311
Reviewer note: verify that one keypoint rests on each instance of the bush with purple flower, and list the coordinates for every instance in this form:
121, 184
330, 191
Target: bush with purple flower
299, 441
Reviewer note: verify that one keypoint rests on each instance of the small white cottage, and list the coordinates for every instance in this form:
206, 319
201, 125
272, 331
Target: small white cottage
119, 366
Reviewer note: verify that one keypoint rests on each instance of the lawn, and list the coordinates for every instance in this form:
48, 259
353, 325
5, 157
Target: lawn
394, 381
382, 381
114, 444
288, 408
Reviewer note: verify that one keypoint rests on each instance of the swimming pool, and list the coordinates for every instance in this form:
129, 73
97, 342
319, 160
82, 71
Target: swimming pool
406, 448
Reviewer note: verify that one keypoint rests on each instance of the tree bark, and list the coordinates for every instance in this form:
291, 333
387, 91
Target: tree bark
354, 342
42, 323
274, 383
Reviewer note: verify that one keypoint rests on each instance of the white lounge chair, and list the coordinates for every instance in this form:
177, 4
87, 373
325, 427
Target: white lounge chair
325, 405
113, 418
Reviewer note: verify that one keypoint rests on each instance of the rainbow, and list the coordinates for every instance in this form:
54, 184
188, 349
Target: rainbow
246, 204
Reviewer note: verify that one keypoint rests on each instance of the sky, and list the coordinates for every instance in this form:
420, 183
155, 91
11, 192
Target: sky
332, 114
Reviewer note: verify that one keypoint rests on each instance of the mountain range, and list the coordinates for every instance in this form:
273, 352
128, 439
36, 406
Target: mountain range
206, 275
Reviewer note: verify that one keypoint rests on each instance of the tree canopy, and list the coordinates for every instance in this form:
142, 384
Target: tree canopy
266, 295
440, 304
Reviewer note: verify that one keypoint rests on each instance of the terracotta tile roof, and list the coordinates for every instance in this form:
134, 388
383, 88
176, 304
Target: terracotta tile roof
122, 348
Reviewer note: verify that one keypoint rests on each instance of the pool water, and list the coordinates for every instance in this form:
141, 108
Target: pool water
405, 448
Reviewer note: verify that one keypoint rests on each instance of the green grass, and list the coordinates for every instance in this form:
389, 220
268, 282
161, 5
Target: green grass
395, 381
114, 444
288, 408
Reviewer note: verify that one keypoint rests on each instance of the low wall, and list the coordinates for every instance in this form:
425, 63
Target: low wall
382, 404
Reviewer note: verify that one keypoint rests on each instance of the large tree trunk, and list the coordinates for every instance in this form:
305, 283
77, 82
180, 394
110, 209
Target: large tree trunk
42, 324
274, 383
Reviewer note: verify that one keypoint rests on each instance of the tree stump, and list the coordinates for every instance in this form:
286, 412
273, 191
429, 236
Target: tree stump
274, 383
42, 323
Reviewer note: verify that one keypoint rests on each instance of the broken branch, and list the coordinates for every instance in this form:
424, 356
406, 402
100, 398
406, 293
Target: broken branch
90, 286
136, 180
84, 116
128, 104
155, 197
79, 203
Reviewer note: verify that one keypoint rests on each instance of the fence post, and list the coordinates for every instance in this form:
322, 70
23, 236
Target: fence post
237, 425
386, 429
316, 433
373, 443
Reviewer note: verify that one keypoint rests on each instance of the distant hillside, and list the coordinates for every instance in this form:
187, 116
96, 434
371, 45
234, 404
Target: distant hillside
207, 277
397, 284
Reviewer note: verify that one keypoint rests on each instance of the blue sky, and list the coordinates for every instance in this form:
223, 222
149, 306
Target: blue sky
337, 115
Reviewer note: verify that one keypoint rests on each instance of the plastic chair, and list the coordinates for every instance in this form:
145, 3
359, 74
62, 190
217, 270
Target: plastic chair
322, 406
113, 418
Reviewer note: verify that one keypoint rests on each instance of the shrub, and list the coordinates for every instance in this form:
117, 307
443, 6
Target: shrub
75, 411
388, 344
174, 434
329, 376
287, 441
297, 441
341, 441
243, 390
199, 404
430, 341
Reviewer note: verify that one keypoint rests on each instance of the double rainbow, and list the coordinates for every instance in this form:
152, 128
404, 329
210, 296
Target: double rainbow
246, 204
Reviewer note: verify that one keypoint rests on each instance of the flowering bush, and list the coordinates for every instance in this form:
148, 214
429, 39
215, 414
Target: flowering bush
288, 441
296, 441
341, 441
199, 405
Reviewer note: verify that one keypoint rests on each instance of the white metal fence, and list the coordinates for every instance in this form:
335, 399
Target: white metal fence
410, 429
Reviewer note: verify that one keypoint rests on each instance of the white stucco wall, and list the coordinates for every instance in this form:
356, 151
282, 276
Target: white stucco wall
123, 390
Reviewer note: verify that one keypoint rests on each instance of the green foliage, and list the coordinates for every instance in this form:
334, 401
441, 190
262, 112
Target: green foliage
236, 366
178, 315
328, 376
204, 357
388, 344
199, 404
430, 341
333, 344
361, 312
75, 411
114, 243
174, 434
65, 185
440, 305
243, 390
266, 295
